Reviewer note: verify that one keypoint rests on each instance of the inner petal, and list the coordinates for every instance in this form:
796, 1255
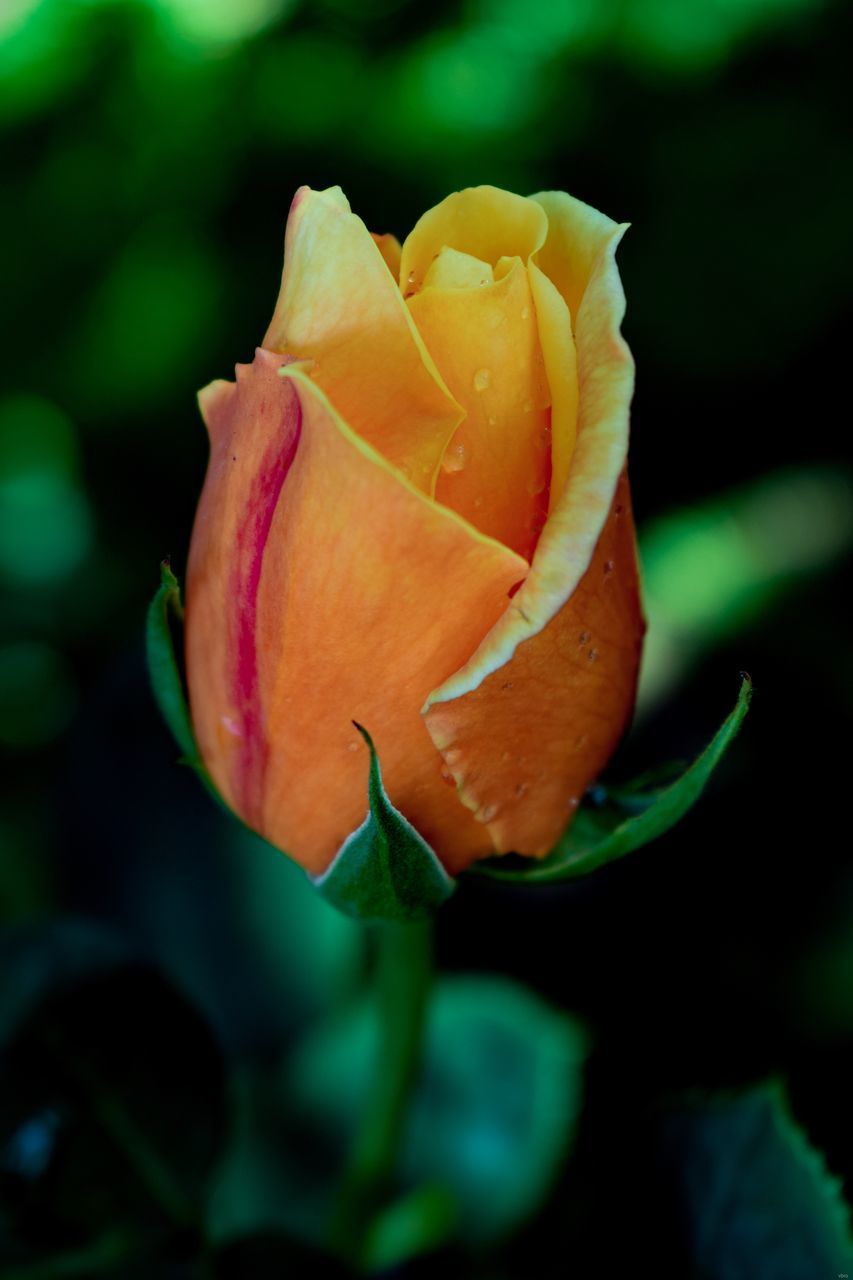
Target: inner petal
455, 270
484, 341
483, 221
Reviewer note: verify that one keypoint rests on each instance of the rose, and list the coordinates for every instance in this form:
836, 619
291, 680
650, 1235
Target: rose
416, 517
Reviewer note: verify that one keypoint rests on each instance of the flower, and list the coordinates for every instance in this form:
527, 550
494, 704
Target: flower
416, 516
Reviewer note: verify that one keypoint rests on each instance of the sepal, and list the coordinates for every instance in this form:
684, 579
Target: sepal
163, 669
384, 871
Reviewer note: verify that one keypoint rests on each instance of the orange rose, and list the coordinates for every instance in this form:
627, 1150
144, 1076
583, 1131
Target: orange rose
416, 516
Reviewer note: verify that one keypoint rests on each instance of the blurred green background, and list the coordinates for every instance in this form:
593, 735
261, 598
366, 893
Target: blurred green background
151, 150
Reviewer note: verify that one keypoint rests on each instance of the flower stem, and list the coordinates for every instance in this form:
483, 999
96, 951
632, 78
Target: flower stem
402, 982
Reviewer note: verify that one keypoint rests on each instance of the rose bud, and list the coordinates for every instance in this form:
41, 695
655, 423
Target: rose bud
416, 517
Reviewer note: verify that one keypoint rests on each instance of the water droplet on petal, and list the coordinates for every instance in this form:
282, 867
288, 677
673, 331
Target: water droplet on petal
535, 485
592, 655
521, 789
583, 637
452, 755
478, 502
487, 812
525, 313
454, 458
447, 776
609, 566
482, 379
352, 745
528, 406
232, 727
574, 802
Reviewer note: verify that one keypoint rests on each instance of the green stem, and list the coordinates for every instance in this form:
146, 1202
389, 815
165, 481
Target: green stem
403, 976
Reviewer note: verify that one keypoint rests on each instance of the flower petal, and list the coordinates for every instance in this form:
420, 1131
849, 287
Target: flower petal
527, 741
557, 672
351, 576
340, 306
485, 222
485, 342
567, 543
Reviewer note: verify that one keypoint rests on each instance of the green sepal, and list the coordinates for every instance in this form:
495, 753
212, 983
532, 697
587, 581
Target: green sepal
164, 672
384, 871
163, 667
612, 823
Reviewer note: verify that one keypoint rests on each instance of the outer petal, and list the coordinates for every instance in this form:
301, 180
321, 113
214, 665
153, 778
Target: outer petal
531, 683
525, 744
332, 575
485, 342
565, 549
340, 306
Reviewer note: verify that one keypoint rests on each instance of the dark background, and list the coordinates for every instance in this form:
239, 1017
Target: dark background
150, 154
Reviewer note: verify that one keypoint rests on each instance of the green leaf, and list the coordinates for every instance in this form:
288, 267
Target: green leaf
613, 823
757, 1197
163, 665
384, 871
493, 1112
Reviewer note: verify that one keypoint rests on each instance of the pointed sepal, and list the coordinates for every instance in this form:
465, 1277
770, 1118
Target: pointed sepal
164, 612
384, 871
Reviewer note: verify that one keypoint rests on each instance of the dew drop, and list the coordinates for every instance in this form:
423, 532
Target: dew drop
482, 379
232, 727
528, 406
574, 802
525, 313
447, 776
454, 458
535, 486
521, 789
353, 745
507, 684
583, 637
609, 566
478, 502
488, 812
592, 655
452, 755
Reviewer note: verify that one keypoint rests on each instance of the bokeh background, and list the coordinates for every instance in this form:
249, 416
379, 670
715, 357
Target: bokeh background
162, 966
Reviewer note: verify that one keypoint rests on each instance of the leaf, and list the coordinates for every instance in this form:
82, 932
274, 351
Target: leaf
613, 823
493, 1111
162, 663
384, 871
758, 1200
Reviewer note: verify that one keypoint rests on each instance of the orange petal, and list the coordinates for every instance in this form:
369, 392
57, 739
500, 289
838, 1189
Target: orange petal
525, 743
485, 342
390, 248
341, 307
567, 543
317, 595
560, 271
